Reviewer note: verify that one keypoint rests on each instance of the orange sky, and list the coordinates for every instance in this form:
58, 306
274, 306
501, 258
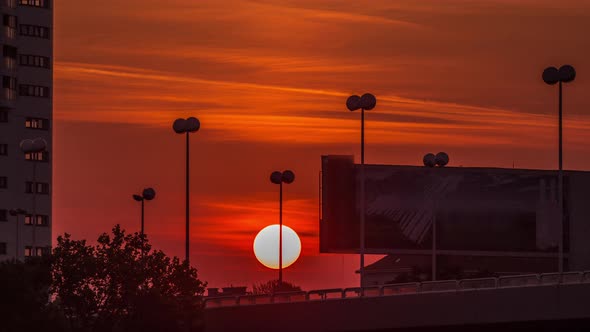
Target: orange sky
269, 80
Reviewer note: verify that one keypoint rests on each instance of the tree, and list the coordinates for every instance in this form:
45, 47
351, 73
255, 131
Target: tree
24, 289
120, 285
272, 286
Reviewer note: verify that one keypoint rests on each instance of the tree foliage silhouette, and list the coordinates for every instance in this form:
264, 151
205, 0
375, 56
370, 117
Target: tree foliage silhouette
120, 285
24, 289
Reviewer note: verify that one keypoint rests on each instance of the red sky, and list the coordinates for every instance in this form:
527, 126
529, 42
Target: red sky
269, 81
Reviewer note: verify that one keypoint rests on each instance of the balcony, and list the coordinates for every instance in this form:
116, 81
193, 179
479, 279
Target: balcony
10, 33
8, 4
7, 98
9, 64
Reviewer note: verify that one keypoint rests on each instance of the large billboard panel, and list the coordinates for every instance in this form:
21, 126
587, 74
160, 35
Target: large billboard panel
475, 209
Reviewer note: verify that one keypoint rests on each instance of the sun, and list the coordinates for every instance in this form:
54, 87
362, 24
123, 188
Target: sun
266, 246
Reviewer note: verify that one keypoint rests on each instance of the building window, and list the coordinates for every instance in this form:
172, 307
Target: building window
34, 3
42, 188
9, 86
9, 53
3, 116
2, 248
34, 31
37, 156
33, 91
9, 82
28, 251
3, 182
42, 220
3, 215
3, 149
33, 61
28, 219
37, 123
37, 187
10, 24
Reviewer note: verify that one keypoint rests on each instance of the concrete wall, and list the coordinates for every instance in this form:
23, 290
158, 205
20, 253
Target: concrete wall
412, 310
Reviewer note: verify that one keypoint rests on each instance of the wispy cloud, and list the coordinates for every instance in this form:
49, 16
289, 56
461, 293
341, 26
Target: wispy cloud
263, 112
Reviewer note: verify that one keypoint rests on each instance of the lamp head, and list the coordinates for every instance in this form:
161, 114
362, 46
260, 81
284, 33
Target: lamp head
551, 75
137, 198
276, 177
353, 103
368, 102
288, 177
149, 194
567, 73
192, 125
179, 126
27, 146
429, 160
39, 145
442, 159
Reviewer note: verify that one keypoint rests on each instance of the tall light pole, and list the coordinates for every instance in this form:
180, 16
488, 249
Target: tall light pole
365, 103
34, 148
280, 178
552, 75
147, 195
16, 213
187, 126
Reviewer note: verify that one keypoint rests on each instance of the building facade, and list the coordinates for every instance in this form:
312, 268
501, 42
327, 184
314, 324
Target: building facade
26, 113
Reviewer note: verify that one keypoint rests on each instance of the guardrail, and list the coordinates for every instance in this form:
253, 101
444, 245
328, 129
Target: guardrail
545, 279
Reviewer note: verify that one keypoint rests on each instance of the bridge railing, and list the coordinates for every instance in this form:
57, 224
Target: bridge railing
519, 281
325, 294
479, 283
397, 289
439, 286
545, 279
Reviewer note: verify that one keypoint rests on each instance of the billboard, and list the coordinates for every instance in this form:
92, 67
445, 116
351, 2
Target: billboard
475, 209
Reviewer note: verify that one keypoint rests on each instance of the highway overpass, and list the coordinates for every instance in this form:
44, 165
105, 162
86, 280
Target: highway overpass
547, 302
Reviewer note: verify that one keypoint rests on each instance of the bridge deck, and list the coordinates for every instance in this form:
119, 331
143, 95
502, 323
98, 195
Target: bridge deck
514, 300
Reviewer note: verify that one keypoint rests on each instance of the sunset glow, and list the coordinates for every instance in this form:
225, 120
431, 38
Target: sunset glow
268, 81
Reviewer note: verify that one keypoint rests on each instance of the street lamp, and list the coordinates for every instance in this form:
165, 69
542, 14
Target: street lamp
365, 103
34, 148
187, 126
280, 178
147, 195
16, 213
551, 76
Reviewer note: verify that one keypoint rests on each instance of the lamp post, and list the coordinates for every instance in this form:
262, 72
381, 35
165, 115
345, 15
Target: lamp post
280, 178
187, 126
147, 195
365, 103
16, 213
34, 148
551, 76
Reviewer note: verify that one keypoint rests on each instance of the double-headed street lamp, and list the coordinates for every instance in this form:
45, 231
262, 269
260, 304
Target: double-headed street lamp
187, 126
280, 178
16, 213
147, 195
33, 148
551, 76
365, 103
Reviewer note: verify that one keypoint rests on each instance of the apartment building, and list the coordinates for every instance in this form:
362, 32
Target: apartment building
26, 113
